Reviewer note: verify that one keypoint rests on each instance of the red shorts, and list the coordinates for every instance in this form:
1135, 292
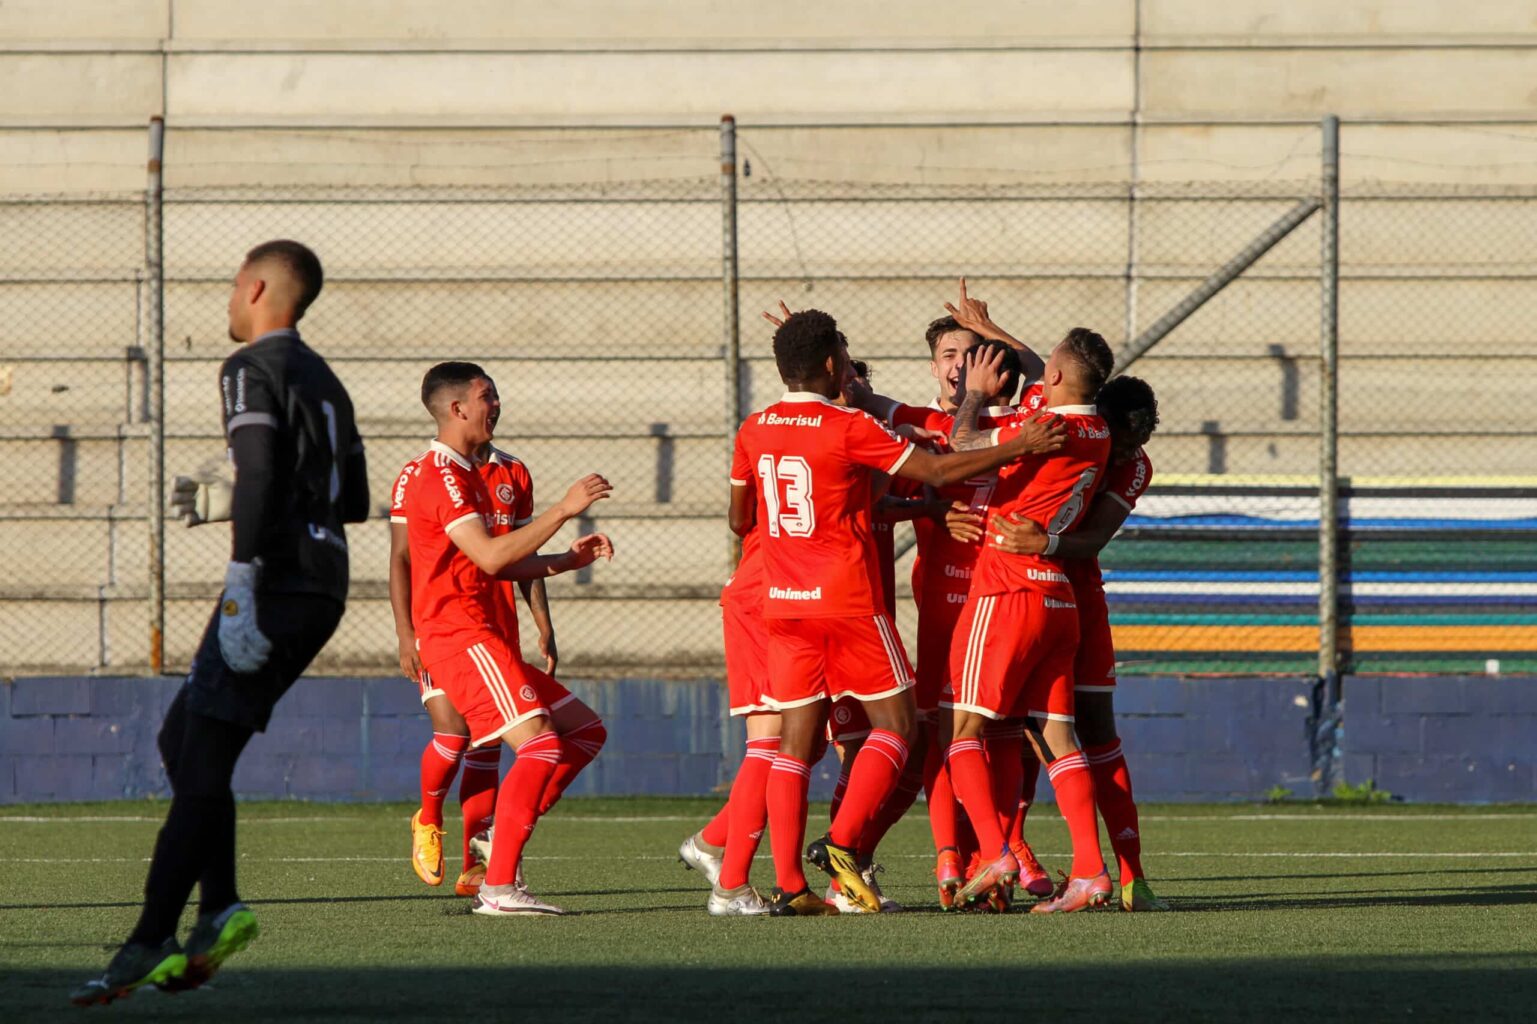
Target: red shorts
816, 659
847, 721
1094, 667
746, 657
1013, 656
937, 615
494, 689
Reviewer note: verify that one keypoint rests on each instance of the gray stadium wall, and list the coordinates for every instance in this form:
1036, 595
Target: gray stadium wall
1458, 739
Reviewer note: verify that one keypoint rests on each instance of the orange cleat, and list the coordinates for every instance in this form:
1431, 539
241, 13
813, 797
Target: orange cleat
1000, 872
470, 879
1077, 894
426, 851
947, 872
1032, 877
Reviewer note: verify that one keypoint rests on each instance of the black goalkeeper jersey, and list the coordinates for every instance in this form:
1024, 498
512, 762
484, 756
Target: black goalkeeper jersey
319, 476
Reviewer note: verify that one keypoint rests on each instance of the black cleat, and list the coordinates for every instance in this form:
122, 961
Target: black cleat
133, 965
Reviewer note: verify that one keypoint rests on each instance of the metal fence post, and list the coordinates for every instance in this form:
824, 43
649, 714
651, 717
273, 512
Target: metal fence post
155, 369
1327, 701
731, 328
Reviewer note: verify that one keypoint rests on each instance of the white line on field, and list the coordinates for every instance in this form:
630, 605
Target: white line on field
93, 820
904, 856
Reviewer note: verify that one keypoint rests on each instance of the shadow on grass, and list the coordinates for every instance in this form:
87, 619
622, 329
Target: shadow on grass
1464, 987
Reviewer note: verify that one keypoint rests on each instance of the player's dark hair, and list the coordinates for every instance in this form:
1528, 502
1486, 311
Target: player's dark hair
1130, 408
1090, 351
939, 328
300, 261
456, 375
861, 368
804, 343
1012, 368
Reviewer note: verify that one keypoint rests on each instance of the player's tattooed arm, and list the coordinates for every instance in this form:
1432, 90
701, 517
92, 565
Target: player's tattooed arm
400, 601
982, 376
972, 314
964, 435
538, 601
1019, 536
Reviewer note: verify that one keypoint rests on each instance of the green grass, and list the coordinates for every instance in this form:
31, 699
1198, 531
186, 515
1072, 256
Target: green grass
1292, 912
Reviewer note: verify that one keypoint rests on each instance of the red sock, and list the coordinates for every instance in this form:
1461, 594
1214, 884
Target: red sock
1030, 775
901, 800
1070, 777
517, 804
840, 789
1112, 794
1002, 744
785, 797
477, 792
748, 811
577, 749
717, 831
440, 760
943, 810
876, 769
974, 787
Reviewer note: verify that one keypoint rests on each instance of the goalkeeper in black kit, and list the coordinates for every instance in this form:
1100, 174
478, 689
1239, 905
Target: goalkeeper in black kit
299, 476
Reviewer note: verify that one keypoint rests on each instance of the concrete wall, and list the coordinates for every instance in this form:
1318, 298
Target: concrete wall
1192, 739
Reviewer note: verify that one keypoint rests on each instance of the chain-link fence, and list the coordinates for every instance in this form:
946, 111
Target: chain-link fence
598, 309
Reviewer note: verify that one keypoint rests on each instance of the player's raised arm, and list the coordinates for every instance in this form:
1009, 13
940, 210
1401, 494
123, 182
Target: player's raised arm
583, 552
972, 315
494, 554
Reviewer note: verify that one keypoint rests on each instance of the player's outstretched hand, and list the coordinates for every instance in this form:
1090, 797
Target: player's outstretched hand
963, 524
982, 371
590, 488
587, 550
779, 320
198, 500
1018, 536
923, 435
971, 313
241, 641
1045, 433
410, 660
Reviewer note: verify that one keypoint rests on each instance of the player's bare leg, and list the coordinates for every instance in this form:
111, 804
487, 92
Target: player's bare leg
1112, 795
800, 744
537, 749
879, 763
440, 762
1088, 885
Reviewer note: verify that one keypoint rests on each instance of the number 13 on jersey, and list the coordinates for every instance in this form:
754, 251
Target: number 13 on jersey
796, 516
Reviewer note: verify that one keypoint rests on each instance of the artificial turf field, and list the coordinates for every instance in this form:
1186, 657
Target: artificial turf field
1283, 912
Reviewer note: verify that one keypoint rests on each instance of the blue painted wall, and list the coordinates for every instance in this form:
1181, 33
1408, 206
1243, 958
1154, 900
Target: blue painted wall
1455, 739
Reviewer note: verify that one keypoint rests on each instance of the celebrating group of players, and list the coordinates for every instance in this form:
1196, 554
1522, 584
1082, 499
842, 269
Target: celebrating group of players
1011, 499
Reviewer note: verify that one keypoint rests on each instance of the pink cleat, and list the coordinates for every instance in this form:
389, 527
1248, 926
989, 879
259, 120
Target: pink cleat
1032, 877
1077, 894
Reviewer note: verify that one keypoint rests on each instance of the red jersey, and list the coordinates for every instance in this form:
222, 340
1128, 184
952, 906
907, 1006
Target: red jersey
811, 460
745, 587
943, 565
1053, 490
1124, 482
454, 604
512, 505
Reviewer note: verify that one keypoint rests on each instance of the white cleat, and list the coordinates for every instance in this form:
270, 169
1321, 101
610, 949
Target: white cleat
742, 902
510, 901
480, 846
696, 856
888, 905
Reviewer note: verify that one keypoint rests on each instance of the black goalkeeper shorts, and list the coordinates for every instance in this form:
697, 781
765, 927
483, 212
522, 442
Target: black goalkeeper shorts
298, 626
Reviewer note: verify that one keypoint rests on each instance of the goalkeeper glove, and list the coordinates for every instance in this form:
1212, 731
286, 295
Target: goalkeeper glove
204, 498
241, 641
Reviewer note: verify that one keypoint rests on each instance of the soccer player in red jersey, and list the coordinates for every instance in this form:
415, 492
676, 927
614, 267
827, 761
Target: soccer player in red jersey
828, 631
1130, 408
511, 491
1015, 642
458, 608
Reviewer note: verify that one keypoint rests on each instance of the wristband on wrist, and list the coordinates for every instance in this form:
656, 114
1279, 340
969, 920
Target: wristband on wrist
1051, 544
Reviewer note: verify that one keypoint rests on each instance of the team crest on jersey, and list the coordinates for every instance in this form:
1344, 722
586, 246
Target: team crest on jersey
527, 693
504, 493
842, 715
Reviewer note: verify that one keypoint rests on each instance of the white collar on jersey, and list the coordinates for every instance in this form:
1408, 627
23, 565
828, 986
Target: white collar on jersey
995, 411
805, 396
1075, 410
459, 460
